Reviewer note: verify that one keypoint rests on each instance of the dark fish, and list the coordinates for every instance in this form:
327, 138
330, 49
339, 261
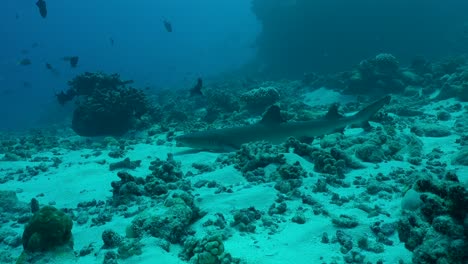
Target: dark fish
6, 92
73, 60
167, 25
64, 97
51, 69
24, 51
35, 45
111, 40
41, 4
196, 90
24, 62
17, 16
27, 85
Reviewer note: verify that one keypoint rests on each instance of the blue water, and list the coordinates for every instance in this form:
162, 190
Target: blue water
129, 169
282, 38
209, 37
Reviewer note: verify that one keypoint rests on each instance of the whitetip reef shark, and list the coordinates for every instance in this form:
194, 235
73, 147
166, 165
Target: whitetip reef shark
273, 129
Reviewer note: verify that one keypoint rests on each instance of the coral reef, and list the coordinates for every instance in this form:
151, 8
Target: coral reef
436, 231
166, 175
209, 250
107, 105
259, 99
174, 224
245, 219
256, 155
379, 75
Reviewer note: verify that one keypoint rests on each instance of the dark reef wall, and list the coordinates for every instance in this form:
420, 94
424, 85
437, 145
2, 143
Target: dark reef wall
329, 35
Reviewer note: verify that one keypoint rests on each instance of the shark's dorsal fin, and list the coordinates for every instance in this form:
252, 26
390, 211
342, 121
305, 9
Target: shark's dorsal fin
333, 112
272, 116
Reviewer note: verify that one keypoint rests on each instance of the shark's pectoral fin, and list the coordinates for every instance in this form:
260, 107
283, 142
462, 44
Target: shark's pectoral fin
333, 112
364, 125
229, 148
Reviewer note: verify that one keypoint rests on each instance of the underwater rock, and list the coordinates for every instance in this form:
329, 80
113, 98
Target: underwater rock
48, 229
345, 240
172, 225
435, 230
111, 239
299, 218
461, 158
370, 152
333, 162
411, 200
110, 107
383, 232
127, 189
256, 155
9, 203
288, 177
209, 250
378, 75
245, 219
443, 116
168, 170
431, 130
278, 209
258, 100
128, 248
110, 257
345, 221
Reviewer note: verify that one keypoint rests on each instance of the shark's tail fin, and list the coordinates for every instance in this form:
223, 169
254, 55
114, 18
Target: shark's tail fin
369, 111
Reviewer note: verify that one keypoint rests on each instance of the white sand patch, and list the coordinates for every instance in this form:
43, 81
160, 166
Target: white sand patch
81, 178
324, 96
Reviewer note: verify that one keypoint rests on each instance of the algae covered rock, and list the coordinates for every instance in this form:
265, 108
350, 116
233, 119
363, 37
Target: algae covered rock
257, 100
108, 105
209, 250
48, 228
9, 203
461, 157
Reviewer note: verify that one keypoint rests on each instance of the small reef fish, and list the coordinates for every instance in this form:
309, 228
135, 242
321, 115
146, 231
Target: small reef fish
272, 128
167, 25
51, 68
41, 4
73, 60
27, 84
24, 62
6, 92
